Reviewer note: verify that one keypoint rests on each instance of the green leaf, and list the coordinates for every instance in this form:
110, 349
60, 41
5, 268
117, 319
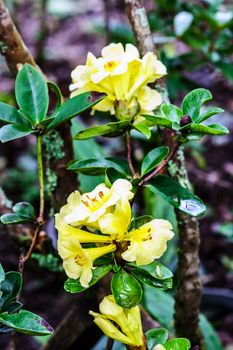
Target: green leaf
211, 338
2, 275
143, 129
56, 90
8, 219
12, 132
155, 337
32, 93
98, 166
26, 322
209, 112
24, 210
226, 68
156, 120
126, 289
153, 158
12, 307
74, 106
178, 344
182, 22
139, 221
177, 195
171, 112
213, 129
10, 287
9, 114
192, 102
110, 129
74, 286
111, 175
145, 277
157, 270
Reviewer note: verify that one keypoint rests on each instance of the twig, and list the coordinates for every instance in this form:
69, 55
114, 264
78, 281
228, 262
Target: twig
41, 178
187, 309
107, 20
129, 153
161, 166
109, 344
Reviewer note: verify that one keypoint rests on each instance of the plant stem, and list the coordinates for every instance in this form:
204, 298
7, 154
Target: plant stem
161, 166
41, 177
109, 344
129, 153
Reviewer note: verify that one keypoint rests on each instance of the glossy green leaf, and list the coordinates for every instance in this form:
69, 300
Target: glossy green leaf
24, 210
10, 287
155, 337
126, 289
56, 90
150, 278
156, 120
213, 129
153, 158
12, 307
12, 132
26, 322
31, 92
2, 274
171, 112
74, 286
157, 270
139, 221
177, 195
98, 166
110, 129
182, 22
111, 175
209, 112
74, 106
211, 337
178, 344
11, 218
143, 129
9, 114
192, 102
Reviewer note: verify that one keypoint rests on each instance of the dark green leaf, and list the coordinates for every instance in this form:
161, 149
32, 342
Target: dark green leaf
73, 107
10, 287
96, 166
110, 129
126, 289
9, 114
213, 129
177, 195
2, 274
155, 337
211, 337
157, 270
139, 221
209, 112
74, 286
24, 210
171, 112
8, 219
148, 278
192, 102
111, 175
26, 322
55, 88
12, 132
153, 158
12, 307
226, 68
156, 120
178, 344
32, 93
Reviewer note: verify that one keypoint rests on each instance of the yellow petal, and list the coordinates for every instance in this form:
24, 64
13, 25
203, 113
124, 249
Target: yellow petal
149, 99
112, 51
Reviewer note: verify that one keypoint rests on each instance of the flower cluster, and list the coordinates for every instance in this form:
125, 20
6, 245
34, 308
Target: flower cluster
129, 324
124, 77
102, 218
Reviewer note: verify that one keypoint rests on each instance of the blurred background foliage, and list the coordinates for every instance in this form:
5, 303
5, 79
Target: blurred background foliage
195, 41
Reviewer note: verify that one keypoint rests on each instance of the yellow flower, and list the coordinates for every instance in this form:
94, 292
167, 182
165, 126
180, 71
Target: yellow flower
129, 322
148, 242
86, 209
122, 75
78, 262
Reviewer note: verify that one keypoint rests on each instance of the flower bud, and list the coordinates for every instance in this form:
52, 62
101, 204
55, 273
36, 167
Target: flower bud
185, 120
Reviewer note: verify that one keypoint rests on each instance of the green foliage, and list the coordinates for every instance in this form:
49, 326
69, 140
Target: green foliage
108, 130
177, 195
126, 290
156, 336
12, 317
74, 286
153, 158
178, 344
22, 212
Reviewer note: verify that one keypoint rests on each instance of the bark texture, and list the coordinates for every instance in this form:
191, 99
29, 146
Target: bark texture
188, 295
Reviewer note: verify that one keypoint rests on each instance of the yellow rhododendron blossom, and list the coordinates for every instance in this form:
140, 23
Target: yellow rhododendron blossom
77, 261
123, 76
128, 320
86, 209
146, 243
